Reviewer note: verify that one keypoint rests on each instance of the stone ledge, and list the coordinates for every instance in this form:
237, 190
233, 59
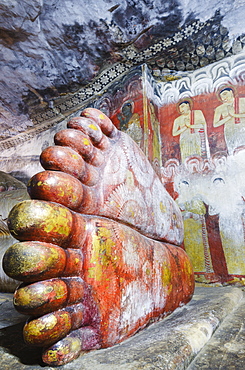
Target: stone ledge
169, 344
226, 348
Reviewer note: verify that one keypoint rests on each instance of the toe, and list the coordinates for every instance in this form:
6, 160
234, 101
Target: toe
47, 222
49, 295
81, 143
66, 160
72, 346
63, 159
96, 125
56, 186
36, 261
62, 188
50, 328
88, 127
101, 119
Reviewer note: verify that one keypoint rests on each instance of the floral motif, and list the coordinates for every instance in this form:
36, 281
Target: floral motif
69, 103
178, 37
89, 91
121, 68
157, 47
147, 52
167, 42
130, 53
105, 79
139, 58
188, 31
112, 73
97, 86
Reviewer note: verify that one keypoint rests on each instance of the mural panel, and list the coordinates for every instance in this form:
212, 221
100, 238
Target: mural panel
203, 134
137, 114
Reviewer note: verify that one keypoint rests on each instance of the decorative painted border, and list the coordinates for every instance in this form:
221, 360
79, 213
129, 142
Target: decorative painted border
131, 57
206, 80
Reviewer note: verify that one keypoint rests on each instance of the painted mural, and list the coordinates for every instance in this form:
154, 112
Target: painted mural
135, 113
203, 167
143, 126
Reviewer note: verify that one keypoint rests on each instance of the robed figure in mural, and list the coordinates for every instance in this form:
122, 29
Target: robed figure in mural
231, 114
192, 128
130, 122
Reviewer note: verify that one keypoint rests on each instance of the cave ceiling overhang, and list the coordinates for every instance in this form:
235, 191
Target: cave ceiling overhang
58, 55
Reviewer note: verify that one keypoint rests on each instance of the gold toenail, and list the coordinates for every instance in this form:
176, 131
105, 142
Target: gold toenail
93, 127
52, 355
86, 141
59, 224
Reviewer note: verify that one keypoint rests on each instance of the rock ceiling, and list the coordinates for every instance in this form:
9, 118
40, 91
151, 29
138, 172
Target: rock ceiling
58, 54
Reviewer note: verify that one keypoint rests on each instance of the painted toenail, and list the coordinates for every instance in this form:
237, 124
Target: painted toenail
93, 127
86, 141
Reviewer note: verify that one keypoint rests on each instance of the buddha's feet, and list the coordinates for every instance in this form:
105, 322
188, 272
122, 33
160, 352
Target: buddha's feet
96, 169
90, 281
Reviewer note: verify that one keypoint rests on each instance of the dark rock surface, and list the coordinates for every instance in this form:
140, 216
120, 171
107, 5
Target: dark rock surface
170, 344
54, 47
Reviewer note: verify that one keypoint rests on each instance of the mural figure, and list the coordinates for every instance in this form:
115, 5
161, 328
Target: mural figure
231, 114
157, 141
130, 122
218, 191
192, 128
226, 198
196, 242
92, 277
